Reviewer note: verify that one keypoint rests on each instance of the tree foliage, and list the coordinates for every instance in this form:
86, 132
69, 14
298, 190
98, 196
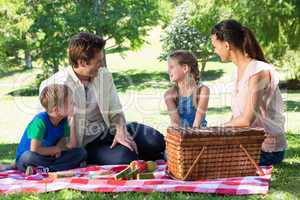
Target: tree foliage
15, 42
275, 24
123, 24
182, 33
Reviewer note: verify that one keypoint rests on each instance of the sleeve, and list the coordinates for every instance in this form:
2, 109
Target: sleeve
262, 66
36, 129
259, 66
115, 105
66, 129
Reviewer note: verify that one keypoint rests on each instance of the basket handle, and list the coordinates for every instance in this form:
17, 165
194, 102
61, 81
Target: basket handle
260, 171
194, 163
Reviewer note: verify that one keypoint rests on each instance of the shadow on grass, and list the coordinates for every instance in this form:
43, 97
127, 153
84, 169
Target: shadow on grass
293, 106
292, 84
139, 80
7, 152
25, 92
218, 110
132, 79
142, 79
9, 72
210, 75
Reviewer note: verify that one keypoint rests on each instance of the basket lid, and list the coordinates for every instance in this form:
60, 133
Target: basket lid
215, 131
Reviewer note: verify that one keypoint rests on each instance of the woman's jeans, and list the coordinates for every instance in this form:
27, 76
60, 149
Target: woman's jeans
271, 158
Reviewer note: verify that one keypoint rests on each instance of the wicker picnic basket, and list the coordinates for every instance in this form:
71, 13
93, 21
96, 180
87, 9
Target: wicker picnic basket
214, 152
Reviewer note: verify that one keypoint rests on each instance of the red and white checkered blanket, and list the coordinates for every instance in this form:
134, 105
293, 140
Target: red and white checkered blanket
12, 181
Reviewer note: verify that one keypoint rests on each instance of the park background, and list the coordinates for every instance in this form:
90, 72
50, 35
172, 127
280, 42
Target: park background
140, 34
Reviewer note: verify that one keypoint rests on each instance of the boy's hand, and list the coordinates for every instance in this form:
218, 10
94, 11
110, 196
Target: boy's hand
58, 155
56, 151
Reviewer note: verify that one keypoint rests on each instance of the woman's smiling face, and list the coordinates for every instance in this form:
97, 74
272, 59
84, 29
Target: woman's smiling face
221, 48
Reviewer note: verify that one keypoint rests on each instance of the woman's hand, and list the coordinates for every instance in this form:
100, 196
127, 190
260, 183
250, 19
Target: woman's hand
123, 138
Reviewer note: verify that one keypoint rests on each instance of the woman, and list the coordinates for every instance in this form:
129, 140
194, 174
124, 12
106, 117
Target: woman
256, 99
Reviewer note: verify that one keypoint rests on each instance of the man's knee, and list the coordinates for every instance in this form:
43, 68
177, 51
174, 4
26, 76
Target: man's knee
118, 155
82, 153
79, 153
126, 155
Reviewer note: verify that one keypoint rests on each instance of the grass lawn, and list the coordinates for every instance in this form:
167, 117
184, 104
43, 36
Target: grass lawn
141, 81
285, 182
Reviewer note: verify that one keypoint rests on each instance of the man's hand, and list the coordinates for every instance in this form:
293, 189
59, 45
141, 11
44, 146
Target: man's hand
122, 137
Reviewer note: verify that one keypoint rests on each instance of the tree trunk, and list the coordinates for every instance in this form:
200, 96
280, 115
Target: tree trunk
98, 31
203, 64
55, 65
28, 61
104, 58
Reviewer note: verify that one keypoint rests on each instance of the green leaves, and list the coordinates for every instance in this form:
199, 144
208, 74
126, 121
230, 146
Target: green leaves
50, 25
274, 23
190, 30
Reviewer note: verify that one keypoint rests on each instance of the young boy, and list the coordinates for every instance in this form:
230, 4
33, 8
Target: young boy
43, 144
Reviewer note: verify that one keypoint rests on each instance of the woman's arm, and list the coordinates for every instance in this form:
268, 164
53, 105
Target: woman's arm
257, 84
170, 100
201, 106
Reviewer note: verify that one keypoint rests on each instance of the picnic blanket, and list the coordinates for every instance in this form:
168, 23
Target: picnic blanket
88, 179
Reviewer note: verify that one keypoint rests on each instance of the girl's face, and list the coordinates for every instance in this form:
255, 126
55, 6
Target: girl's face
221, 48
176, 71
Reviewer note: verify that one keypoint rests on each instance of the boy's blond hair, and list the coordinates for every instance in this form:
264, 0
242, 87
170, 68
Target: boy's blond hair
55, 95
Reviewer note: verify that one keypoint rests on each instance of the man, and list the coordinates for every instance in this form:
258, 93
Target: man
99, 120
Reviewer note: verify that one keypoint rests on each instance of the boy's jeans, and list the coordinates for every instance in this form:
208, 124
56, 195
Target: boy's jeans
68, 160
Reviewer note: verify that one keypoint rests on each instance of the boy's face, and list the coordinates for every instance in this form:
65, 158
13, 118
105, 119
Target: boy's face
67, 109
176, 71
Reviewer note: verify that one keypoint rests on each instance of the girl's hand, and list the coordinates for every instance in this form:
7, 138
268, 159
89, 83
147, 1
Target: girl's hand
175, 125
195, 125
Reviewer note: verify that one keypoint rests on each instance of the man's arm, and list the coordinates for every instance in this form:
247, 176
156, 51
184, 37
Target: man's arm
117, 119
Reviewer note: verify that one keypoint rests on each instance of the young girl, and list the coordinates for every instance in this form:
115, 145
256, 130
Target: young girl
256, 99
187, 99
